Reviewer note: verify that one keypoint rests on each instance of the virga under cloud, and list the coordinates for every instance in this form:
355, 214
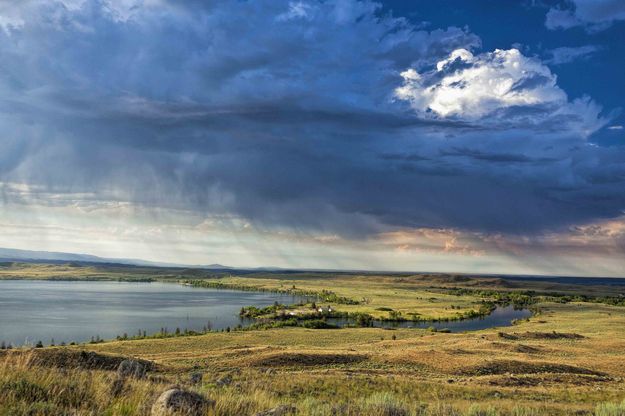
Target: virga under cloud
335, 121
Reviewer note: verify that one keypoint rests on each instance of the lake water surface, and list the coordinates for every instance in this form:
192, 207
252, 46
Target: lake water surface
33, 310
76, 311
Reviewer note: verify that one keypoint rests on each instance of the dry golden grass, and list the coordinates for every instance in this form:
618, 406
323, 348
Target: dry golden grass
529, 368
566, 360
28, 388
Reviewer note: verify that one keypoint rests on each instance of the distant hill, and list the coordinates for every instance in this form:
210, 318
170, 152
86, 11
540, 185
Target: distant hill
30, 256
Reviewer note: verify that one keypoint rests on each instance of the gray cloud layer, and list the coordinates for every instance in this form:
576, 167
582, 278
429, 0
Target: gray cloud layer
283, 113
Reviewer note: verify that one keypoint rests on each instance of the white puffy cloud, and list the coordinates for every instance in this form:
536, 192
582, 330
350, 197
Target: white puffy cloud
594, 15
471, 87
499, 87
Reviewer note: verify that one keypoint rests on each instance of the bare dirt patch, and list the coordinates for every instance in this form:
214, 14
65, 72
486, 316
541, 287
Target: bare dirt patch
540, 335
307, 359
546, 379
523, 367
513, 347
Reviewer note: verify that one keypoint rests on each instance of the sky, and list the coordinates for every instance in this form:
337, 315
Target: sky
477, 136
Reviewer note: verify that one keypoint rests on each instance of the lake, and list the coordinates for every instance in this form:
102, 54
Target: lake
33, 310
76, 311
501, 316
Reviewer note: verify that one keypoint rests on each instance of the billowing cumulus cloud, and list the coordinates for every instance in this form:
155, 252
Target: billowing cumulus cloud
500, 87
284, 118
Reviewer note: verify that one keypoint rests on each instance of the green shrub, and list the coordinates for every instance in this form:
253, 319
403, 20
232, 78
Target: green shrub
524, 411
443, 409
361, 319
317, 324
385, 404
476, 410
30, 409
610, 409
24, 390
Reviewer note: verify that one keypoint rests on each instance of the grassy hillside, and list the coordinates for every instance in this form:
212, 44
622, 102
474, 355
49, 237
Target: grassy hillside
566, 359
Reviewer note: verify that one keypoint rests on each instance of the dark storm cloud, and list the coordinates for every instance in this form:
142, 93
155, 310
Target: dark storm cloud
279, 112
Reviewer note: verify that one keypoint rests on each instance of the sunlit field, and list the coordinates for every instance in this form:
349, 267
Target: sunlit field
565, 359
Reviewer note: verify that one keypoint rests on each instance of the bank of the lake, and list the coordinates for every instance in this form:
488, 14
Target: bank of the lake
501, 316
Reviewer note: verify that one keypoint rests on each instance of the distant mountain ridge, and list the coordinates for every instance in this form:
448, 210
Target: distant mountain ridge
33, 256
17, 255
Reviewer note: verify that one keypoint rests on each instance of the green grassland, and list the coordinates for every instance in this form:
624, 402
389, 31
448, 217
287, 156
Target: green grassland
566, 359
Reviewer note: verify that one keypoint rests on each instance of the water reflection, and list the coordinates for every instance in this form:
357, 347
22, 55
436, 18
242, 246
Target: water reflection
501, 316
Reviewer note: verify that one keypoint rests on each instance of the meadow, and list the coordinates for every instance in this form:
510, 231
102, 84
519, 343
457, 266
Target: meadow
566, 359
